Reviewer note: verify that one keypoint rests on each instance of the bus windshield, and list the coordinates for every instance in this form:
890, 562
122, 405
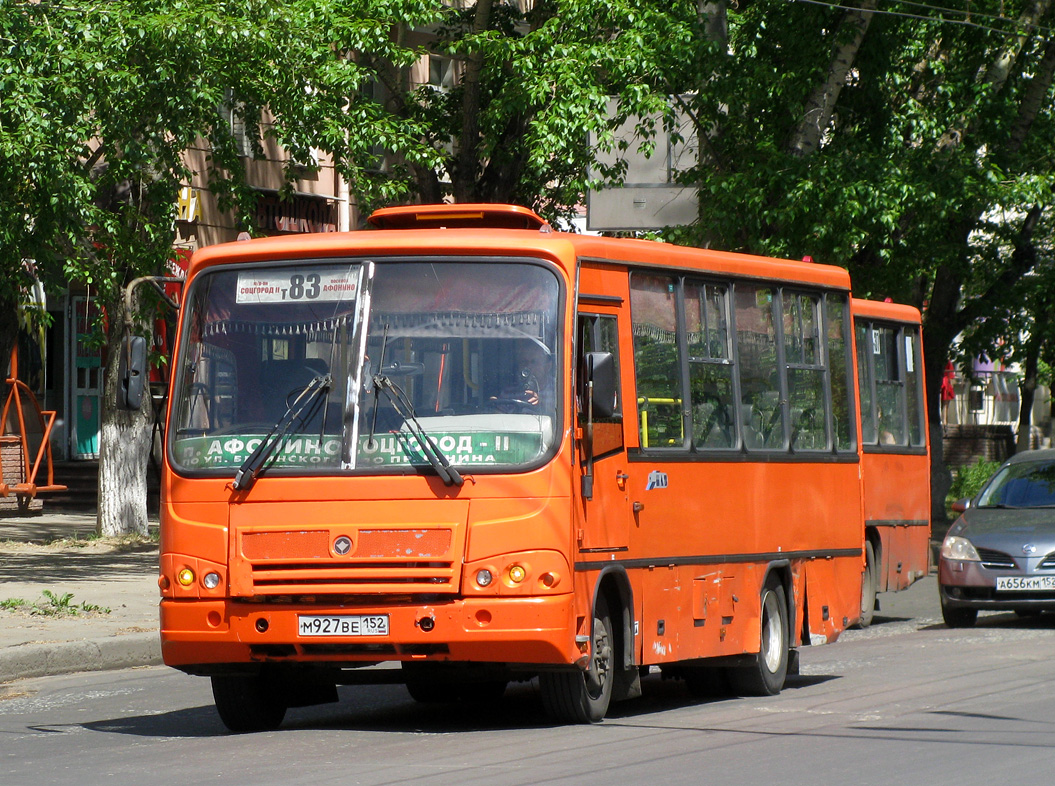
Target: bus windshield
357, 366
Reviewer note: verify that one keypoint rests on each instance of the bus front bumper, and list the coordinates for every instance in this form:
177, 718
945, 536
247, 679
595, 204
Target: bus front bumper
532, 630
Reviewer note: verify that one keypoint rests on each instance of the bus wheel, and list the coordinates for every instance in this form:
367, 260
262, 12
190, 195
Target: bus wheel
869, 582
765, 677
251, 703
583, 697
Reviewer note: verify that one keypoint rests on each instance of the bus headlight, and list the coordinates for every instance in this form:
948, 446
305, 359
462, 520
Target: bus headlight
484, 577
211, 580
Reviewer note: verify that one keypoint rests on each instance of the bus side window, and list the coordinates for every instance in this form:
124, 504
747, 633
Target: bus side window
914, 379
599, 333
804, 357
869, 434
837, 311
890, 387
759, 376
653, 308
710, 365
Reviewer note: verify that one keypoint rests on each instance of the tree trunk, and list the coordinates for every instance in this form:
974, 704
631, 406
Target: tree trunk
8, 332
124, 452
939, 331
467, 162
1028, 390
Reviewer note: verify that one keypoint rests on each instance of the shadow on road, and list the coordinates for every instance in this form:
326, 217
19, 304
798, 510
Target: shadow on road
77, 566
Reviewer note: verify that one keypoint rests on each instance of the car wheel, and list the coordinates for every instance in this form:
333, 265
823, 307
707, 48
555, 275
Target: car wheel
248, 703
956, 617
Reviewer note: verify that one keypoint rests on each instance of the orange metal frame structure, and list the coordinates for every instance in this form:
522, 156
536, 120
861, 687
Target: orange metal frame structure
18, 472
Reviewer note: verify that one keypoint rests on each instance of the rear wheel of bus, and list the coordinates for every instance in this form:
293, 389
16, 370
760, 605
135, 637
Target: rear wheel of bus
249, 703
583, 696
766, 675
869, 582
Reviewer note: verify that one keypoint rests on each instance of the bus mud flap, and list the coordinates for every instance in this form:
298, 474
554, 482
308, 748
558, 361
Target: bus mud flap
820, 576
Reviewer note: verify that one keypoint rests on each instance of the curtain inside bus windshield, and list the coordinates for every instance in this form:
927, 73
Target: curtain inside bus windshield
462, 352
472, 349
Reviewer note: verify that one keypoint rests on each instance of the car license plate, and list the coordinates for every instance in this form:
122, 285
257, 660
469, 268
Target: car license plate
343, 624
1025, 583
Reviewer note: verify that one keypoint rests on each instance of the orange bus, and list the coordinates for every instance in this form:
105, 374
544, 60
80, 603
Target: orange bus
895, 456
463, 449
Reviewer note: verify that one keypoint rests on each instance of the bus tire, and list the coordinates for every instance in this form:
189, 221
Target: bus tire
583, 696
766, 675
248, 703
869, 584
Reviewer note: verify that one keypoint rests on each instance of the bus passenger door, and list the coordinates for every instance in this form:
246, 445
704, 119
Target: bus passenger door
605, 526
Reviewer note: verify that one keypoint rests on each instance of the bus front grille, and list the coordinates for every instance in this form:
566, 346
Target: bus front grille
354, 577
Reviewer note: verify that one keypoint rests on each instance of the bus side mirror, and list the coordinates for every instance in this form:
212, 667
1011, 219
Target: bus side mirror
131, 372
599, 368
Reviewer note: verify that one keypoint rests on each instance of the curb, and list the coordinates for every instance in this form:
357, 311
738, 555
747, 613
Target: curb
47, 660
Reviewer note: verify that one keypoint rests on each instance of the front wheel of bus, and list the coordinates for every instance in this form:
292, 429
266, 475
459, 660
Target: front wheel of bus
248, 703
583, 696
765, 676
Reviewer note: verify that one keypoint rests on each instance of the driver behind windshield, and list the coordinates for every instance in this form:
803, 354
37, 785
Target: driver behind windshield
535, 380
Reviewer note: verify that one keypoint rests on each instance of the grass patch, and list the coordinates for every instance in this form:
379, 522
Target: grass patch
52, 604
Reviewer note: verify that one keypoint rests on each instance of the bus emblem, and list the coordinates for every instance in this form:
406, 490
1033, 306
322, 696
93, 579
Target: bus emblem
656, 480
342, 545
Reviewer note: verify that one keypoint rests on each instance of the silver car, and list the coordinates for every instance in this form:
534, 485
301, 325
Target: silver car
1000, 553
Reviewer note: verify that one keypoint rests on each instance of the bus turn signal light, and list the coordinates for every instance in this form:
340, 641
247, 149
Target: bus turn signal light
517, 573
185, 577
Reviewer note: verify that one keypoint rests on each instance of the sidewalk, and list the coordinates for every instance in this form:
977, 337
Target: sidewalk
47, 551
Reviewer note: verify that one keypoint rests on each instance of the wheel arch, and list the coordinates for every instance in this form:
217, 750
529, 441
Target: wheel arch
873, 536
613, 583
781, 570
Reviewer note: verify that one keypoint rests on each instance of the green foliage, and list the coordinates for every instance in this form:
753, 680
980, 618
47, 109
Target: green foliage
53, 605
968, 480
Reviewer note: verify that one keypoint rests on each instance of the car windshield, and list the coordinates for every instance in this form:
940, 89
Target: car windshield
1025, 485
393, 355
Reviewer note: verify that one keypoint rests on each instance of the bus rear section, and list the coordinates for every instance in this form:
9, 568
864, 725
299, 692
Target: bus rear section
895, 450
722, 519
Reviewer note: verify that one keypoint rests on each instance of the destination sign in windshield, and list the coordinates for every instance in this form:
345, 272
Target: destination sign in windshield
297, 285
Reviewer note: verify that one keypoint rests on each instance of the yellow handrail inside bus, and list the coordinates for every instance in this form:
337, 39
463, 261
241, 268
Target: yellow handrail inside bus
642, 409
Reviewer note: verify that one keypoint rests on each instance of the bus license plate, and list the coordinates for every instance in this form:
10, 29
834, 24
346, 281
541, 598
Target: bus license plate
343, 625
1024, 583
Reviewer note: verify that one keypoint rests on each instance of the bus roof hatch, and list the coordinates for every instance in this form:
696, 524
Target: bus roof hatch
476, 215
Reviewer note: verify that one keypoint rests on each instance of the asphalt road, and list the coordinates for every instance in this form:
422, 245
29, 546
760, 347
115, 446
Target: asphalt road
906, 700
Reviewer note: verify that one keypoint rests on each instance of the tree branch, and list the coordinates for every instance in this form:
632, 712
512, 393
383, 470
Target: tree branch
821, 104
1034, 96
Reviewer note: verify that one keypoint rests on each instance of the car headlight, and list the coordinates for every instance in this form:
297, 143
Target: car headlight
960, 549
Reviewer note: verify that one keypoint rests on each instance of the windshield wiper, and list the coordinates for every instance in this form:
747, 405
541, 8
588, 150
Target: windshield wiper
402, 405
309, 396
